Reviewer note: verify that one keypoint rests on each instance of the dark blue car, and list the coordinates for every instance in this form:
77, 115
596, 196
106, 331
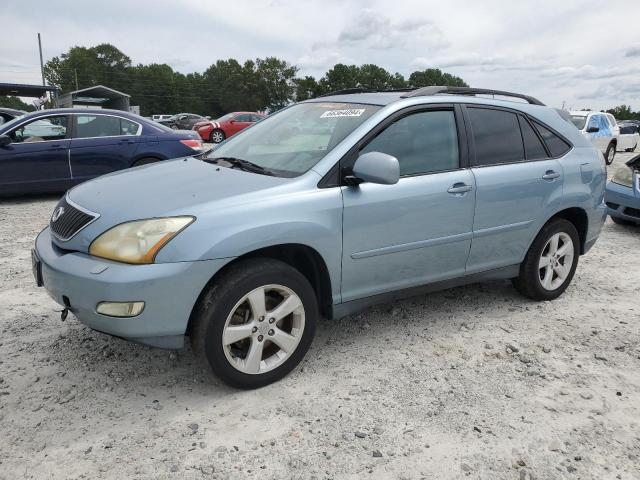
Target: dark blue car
53, 150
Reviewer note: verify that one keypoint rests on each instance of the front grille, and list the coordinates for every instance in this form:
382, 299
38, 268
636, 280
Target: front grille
67, 220
632, 212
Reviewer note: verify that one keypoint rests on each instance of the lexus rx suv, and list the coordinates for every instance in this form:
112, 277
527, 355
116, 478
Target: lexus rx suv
322, 209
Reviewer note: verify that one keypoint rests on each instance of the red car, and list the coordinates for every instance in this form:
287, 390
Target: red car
216, 131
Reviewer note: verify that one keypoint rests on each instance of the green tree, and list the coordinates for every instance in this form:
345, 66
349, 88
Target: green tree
15, 102
624, 112
306, 87
434, 76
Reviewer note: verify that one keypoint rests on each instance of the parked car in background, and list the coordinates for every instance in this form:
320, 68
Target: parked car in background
52, 150
369, 197
157, 118
182, 121
629, 137
215, 131
7, 114
623, 193
600, 128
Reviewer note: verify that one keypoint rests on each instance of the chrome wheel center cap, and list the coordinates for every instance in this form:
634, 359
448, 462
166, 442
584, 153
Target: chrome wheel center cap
263, 328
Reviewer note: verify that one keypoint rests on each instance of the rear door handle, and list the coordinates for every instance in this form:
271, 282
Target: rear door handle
550, 175
458, 188
58, 147
130, 142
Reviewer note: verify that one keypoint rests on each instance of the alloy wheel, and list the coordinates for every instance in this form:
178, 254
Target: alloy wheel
263, 329
217, 137
556, 261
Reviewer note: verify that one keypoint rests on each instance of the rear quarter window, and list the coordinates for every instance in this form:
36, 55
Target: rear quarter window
556, 145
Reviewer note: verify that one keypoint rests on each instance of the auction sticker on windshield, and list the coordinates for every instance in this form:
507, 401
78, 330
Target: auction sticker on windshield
350, 112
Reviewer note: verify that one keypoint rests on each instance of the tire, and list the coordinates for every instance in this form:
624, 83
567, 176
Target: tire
225, 306
610, 154
621, 221
217, 136
145, 161
530, 283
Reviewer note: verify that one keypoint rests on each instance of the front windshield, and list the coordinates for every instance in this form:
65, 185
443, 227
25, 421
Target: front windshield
579, 121
292, 141
224, 117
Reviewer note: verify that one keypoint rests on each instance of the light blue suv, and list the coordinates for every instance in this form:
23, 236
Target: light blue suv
322, 209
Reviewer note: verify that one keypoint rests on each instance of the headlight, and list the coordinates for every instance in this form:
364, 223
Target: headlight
623, 176
138, 241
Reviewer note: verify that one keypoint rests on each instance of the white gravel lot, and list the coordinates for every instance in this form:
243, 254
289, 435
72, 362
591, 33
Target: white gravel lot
472, 382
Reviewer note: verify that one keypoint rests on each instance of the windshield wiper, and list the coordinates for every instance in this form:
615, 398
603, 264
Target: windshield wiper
241, 164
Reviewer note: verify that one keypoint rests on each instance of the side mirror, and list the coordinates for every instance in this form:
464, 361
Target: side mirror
377, 167
5, 140
593, 129
233, 120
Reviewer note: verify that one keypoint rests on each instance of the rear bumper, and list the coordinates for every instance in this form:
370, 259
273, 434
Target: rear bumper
169, 290
622, 202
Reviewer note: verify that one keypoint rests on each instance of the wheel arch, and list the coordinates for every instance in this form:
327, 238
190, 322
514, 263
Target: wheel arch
302, 257
579, 218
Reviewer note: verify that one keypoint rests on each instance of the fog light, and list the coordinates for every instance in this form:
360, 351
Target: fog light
120, 309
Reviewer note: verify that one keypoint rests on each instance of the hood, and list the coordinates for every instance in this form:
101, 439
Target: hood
175, 187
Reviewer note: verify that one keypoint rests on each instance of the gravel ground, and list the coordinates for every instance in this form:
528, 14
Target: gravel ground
471, 382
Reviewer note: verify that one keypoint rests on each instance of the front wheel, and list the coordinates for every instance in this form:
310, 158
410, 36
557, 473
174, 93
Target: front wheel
255, 323
550, 262
610, 154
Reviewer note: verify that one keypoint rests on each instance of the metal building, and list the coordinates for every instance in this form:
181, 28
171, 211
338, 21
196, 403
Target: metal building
95, 97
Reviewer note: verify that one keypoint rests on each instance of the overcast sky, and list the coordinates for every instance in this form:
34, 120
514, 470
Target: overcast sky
584, 53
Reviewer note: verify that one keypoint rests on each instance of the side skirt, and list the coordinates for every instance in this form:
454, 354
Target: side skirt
347, 308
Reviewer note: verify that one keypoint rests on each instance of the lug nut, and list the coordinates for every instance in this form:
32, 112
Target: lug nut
271, 332
271, 320
260, 337
261, 319
254, 329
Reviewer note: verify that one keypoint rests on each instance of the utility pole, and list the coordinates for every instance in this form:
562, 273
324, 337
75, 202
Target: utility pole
41, 63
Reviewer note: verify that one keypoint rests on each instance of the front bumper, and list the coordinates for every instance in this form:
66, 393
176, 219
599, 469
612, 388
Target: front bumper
169, 290
622, 202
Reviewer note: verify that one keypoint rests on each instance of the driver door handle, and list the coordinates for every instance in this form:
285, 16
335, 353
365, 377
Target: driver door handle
458, 188
550, 175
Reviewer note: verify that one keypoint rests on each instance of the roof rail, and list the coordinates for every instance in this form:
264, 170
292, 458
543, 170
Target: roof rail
435, 90
346, 91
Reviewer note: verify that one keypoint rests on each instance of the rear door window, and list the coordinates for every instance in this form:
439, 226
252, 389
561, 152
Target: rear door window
533, 146
91, 126
496, 135
556, 145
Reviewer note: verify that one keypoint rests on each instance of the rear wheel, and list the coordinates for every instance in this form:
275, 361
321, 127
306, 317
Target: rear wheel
610, 154
255, 323
550, 262
217, 136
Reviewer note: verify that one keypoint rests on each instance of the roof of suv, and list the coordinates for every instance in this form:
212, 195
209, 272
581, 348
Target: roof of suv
558, 120
357, 95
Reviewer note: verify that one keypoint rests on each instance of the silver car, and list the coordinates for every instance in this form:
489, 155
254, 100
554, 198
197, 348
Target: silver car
322, 209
